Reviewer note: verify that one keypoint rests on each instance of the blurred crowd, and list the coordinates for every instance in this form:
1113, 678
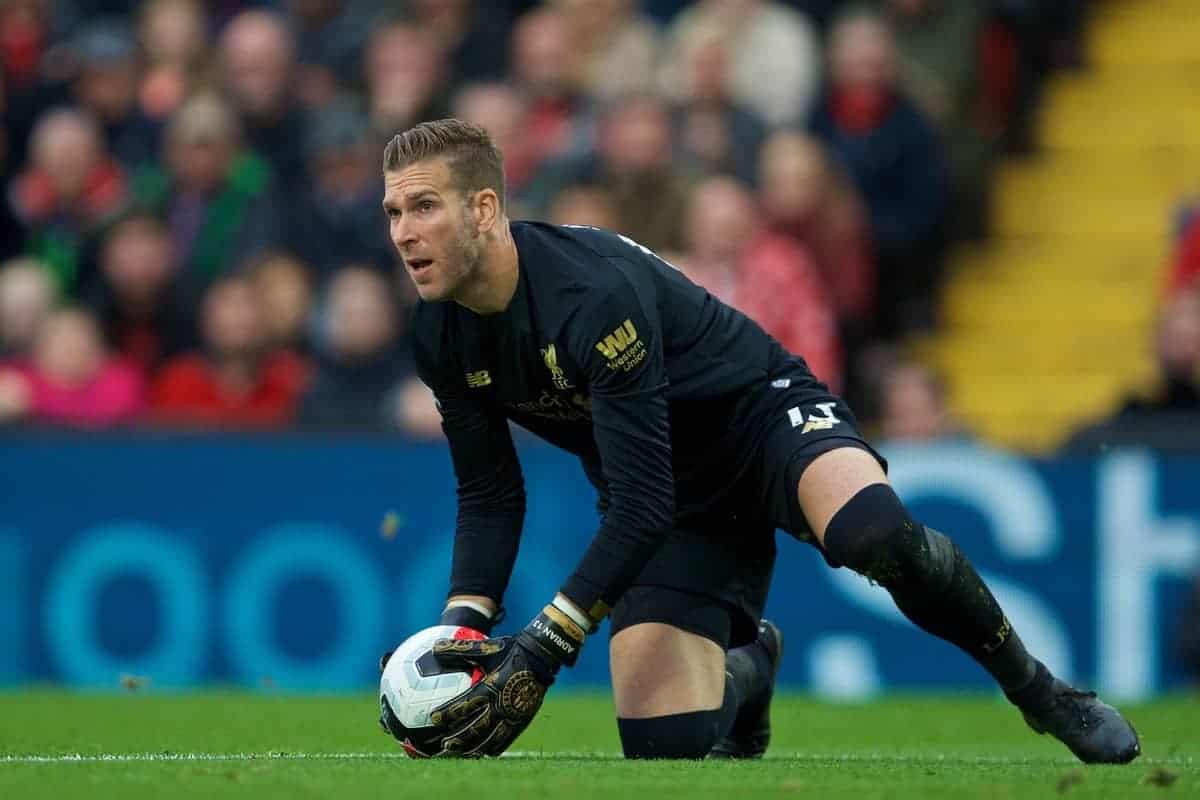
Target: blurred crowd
1164, 413
191, 235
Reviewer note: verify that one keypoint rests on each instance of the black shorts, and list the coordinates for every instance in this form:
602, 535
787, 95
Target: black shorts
712, 582
712, 579
803, 421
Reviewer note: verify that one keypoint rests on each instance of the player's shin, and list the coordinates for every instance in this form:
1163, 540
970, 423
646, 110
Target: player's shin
930, 580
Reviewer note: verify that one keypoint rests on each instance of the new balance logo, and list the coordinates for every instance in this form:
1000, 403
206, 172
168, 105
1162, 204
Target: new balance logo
823, 421
618, 341
477, 380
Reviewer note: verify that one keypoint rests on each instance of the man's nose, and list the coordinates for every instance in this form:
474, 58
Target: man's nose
403, 233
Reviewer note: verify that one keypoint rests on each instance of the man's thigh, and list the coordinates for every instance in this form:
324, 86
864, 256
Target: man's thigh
830, 480
659, 670
667, 654
702, 592
814, 459
711, 580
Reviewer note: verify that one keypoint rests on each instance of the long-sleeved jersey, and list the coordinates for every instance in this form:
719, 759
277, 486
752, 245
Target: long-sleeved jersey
610, 353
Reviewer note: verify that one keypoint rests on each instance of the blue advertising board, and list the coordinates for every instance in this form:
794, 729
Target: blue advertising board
295, 561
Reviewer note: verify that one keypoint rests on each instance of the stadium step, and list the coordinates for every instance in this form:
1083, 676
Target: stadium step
1049, 325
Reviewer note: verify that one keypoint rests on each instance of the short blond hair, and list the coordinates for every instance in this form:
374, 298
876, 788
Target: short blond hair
475, 161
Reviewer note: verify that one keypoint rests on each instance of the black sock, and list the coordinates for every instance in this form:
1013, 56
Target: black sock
930, 579
690, 735
1034, 693
957, 606
748, 669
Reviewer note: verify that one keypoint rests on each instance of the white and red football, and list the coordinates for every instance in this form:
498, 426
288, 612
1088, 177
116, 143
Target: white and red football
413, 684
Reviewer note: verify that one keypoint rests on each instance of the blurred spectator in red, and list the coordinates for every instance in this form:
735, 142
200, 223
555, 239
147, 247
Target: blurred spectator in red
473, 33
805, 197
337, 220
69, 190
504, 113
1166, 414
105, 78
330, 36
407, 78
617, 46
767, 276
26, 296
235, 380
362, 360
285, 293
141, 300
219, 199
70, 378
633, 163
939, 44
24, 37
893, 153
583, 204
912, 405
1184, 272
775, 54
174, 39
548, 69
716, 133
258, 67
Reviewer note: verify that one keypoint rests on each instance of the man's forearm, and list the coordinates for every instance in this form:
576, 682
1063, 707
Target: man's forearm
612, 561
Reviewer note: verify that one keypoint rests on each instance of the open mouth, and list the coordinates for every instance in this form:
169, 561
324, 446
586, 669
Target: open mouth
418, 264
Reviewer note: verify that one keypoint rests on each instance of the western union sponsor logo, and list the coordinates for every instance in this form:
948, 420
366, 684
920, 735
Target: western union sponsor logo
618, 341
476, 380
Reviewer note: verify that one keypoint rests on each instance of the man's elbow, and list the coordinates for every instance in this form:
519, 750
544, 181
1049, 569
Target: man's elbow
652, 514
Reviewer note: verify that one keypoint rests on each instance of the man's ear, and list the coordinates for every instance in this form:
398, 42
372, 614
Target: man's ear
486, 209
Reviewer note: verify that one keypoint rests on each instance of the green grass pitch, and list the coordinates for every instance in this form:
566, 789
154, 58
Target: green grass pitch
265, 745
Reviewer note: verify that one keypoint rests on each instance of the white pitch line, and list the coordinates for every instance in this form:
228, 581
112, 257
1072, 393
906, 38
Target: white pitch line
94, 758
103, 758
858, 758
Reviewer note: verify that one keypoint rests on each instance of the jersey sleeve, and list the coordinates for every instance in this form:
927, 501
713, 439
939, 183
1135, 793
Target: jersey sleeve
616, 338
491, 489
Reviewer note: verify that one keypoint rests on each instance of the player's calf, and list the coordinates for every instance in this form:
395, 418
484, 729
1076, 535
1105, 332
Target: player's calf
930, 579
936, 587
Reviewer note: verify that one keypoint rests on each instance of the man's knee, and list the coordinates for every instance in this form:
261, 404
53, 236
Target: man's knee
680, 736
873, 535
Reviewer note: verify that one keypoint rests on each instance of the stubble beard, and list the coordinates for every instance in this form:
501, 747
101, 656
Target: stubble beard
467, 253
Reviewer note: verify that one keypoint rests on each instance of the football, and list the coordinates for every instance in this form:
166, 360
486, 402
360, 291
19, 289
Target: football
413, 684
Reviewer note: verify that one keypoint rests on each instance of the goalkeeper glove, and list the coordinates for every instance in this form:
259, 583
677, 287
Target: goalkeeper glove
518, 670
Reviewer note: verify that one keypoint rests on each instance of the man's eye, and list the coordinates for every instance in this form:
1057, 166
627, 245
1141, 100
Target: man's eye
426, 205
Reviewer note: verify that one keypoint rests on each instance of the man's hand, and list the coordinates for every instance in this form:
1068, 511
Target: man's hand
517, 672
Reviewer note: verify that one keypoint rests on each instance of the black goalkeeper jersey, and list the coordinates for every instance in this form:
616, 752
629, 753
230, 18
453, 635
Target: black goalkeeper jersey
610, 353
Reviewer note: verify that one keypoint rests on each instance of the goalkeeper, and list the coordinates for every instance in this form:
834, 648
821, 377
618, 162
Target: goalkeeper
702, 435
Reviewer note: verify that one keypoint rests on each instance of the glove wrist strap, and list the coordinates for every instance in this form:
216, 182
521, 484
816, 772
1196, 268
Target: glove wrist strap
470, 615
557, 635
